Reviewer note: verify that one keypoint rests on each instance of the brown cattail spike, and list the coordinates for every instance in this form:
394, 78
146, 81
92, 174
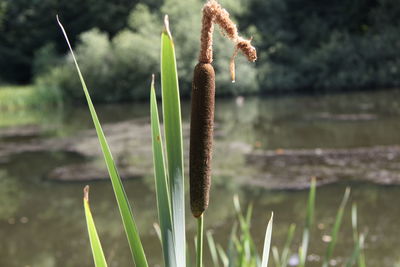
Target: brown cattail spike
201, 137
203, 93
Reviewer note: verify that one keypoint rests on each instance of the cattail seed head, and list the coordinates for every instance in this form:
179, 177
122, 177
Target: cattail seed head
201, 137
203, 93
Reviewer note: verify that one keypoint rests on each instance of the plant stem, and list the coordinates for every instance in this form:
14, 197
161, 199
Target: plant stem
199, 254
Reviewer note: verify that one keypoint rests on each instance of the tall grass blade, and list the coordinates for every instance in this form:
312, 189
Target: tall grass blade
223, 256
162, 189
232, 253
97, 250
213, 249
275, 256
361, 256
309, 221
286, 248
267, 242
124, 207
356, 252
336, 228
173, 140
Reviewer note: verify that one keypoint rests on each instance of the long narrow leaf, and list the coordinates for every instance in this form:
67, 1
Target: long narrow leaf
223, 256
361, 257
356, 252
275, 256
336, 228
309, 221
97, 250
162, 193
232, 252
212, 247
124, 207
267, 242
286, 248
173, 140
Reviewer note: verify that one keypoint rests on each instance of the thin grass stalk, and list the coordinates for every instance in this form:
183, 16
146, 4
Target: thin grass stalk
212, 248
356, 252
222, 255
308, 224
336, 228
361, 256
232, 253
275, 256
286, 248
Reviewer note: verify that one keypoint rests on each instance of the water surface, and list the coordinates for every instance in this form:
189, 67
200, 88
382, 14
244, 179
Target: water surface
42, 222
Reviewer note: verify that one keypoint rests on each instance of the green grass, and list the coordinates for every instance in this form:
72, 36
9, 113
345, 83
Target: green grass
22, 105
16, 97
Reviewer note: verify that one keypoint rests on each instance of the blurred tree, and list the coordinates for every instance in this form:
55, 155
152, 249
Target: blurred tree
119, 69
315, 44
28, 25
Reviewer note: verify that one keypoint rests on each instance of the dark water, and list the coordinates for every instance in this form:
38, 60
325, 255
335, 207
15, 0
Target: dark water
42, 222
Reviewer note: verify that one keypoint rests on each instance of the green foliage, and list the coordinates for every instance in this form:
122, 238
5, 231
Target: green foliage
241, 250
302, 45
118, 67
13, 98
315, 45
26, 26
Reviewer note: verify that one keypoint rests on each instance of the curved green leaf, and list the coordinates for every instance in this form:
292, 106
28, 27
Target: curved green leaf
162, 190
97, 250
125, 210
173, 140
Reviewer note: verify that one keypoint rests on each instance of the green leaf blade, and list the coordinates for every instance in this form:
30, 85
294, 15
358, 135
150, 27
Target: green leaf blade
267, 242
309, 221
131, 231
336, 228
97, 250
162, 190
173, 140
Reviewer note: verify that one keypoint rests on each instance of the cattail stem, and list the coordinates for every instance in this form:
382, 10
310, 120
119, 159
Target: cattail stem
199, 246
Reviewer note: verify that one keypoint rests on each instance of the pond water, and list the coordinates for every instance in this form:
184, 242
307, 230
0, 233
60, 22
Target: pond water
42, 222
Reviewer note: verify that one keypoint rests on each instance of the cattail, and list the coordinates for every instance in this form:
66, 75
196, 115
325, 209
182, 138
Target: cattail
201, 136
203, 95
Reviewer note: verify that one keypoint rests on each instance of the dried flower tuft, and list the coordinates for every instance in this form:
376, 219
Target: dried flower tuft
214, 13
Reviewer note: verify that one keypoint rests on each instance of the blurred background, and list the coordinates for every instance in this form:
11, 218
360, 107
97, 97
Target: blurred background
322, 100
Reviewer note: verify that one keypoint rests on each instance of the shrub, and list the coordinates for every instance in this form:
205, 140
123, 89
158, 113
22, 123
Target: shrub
118, 67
